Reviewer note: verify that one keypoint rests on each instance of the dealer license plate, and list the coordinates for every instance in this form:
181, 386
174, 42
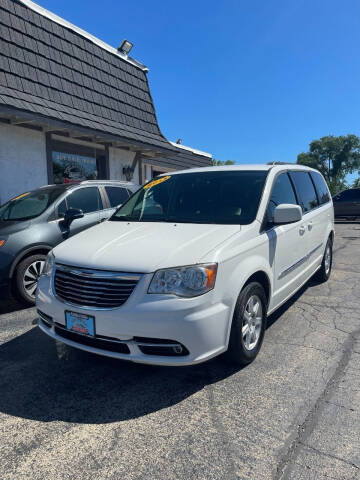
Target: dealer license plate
80, 323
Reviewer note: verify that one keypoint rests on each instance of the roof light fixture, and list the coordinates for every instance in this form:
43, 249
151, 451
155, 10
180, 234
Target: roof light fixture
125, 47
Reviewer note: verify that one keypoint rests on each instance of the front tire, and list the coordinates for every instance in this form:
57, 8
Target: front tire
248, 325
323, 274
27, 276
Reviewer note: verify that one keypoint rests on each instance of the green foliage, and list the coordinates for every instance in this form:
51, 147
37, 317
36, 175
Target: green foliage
334, 157
356, 183
220, 163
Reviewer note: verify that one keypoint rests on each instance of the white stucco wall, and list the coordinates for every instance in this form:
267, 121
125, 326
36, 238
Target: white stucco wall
118, 159
22, 161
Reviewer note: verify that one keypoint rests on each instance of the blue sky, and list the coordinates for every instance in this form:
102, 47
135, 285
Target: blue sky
251, 81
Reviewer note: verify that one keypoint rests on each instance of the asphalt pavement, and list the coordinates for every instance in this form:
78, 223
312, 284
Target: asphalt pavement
292, 414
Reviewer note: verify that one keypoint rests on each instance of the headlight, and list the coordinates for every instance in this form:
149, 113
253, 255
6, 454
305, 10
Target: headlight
184, 281
49, 264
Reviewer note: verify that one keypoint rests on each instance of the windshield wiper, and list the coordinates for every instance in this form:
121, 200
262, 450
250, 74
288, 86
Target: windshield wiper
122, 218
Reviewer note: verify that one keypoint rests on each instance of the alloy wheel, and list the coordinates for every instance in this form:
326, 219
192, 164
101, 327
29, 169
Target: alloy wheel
327, 259
252, 322
31, 277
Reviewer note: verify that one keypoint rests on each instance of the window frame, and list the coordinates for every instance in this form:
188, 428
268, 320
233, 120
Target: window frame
298, 196
101, 155
265, 225
127, 191
312, 172
72, 190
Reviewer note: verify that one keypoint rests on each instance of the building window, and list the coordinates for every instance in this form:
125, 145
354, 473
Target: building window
72, 168
72, 163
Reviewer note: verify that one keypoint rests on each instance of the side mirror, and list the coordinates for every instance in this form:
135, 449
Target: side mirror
287, 213
72, 214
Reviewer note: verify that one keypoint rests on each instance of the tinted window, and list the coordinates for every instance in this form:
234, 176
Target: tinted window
30, 204
305, 190
220, 197
62, 208
349, 195
321, 188
86, 199
282, 192
117, 195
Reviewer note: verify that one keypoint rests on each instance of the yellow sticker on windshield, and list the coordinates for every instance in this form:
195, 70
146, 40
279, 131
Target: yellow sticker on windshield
156, 182
20, 196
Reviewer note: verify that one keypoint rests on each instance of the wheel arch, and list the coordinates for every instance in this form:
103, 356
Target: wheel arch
261, 277
33, 250
253, 268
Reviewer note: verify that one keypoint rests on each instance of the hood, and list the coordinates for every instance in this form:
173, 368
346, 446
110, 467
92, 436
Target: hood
142, 247
9, 227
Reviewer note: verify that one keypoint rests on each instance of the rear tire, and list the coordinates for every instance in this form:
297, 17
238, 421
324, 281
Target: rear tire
323, 274
27, 274
248, 325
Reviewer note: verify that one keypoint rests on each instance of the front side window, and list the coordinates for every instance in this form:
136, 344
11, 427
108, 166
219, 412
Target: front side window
86, 199
225, 197
116, 195
61, 209
321, 188
282, 192
30, 204
305, 190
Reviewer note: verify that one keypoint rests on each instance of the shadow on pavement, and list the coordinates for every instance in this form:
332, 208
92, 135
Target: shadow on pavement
9, 306
44, 380
281, 310
47, 381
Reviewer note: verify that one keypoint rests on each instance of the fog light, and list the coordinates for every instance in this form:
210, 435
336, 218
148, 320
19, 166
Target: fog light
178, 349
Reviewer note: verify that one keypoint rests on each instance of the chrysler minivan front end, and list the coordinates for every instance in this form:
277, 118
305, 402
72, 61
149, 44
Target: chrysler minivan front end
150, 284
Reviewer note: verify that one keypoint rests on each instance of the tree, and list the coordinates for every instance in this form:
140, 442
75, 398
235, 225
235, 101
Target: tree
334, 157
356, 183
219, 163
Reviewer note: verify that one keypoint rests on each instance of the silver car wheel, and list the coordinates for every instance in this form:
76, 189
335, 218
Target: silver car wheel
31, 277
252, 322
327, 259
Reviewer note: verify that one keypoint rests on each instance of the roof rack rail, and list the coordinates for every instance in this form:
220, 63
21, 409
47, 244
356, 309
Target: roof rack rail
281, 163
103, 181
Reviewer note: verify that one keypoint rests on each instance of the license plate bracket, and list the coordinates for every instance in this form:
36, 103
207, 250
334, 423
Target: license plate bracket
80, 323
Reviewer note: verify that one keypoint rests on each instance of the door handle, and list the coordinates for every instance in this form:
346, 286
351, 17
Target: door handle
302, 230
310, 225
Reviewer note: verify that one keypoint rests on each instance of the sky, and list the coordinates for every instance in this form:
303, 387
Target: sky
251, 81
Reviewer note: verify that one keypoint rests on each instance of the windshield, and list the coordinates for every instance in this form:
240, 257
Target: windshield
30, 204
220, 197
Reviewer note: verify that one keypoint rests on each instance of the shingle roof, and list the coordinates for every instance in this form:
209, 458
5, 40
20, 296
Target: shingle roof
52, 71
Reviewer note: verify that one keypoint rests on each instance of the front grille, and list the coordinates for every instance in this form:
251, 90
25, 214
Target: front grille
91, 288
110, 345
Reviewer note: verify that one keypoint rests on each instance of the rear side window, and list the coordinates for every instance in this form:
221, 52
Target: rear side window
86, 199
321, 188
282, 192
117, 195
305, 190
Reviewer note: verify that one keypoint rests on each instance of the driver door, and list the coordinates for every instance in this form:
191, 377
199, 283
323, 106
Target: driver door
288, 244
88, 200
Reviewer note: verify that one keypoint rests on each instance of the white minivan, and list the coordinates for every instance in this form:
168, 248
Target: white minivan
191, 265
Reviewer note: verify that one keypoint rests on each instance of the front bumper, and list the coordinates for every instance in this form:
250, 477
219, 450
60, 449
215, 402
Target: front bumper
199, 324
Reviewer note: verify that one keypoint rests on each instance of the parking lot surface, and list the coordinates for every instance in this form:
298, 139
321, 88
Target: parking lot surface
292, 414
